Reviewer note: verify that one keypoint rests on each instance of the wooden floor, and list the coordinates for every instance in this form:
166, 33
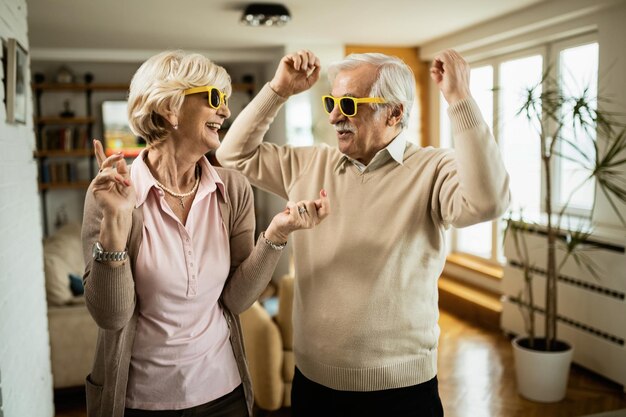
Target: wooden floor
476, 379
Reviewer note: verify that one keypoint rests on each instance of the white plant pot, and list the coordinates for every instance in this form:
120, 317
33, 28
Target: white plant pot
541, 376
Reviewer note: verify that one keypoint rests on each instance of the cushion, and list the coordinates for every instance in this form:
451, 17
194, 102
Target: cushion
62, 256
70, 236
76, 284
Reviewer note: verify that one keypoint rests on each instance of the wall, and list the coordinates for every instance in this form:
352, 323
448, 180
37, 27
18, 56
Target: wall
25, 378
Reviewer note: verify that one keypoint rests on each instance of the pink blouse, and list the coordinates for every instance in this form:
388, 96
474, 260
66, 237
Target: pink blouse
181, 356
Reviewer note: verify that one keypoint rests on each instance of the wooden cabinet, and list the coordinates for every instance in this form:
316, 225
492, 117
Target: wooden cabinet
64, 150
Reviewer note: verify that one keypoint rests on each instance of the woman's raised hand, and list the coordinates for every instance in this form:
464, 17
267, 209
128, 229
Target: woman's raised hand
111, 187
304, 214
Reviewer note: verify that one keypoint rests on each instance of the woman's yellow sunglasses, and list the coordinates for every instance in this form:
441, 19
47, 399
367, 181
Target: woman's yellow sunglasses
348, 105
216, 97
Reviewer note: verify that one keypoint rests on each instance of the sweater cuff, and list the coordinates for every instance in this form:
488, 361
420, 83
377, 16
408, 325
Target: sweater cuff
268, 100
111, 288
267, 251
465, 115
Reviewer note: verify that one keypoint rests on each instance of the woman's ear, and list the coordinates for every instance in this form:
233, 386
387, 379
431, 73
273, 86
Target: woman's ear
172, 119
395, 115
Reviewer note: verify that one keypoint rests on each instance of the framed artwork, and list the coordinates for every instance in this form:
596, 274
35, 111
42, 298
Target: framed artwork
16, 81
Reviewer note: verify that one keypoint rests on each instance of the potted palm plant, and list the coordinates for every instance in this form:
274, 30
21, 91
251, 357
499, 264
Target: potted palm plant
574, 128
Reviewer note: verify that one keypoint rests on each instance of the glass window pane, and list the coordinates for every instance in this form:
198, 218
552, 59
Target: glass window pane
476, 239
481, 87
519, 142
299, 120
578, 75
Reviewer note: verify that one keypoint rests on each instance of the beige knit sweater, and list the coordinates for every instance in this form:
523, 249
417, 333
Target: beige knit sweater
365, 303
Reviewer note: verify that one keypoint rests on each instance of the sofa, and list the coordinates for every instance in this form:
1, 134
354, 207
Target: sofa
72, 331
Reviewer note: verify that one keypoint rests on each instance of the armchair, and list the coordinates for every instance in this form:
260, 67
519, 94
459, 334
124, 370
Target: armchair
268, 343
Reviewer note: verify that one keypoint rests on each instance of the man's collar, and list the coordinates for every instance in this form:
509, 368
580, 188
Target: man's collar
395, 149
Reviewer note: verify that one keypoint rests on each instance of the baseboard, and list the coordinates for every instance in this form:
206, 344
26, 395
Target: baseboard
471, 303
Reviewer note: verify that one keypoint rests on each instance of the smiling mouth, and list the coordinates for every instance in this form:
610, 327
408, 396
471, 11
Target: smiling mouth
213, 126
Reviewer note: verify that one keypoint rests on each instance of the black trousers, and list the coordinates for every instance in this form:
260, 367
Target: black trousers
310, 399
230, 405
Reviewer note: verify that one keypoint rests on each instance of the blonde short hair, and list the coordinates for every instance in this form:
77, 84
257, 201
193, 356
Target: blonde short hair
158, 85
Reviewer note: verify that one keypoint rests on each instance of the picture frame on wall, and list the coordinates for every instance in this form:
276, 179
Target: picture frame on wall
16, 81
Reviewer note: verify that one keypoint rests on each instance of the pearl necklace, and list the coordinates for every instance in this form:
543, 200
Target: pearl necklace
181, 196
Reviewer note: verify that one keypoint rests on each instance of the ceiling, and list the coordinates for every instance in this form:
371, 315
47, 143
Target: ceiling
214, 24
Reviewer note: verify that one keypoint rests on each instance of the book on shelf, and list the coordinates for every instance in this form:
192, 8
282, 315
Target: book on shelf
67, 138
58, 172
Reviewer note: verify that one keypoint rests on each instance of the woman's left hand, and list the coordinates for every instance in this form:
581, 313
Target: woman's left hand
305, 214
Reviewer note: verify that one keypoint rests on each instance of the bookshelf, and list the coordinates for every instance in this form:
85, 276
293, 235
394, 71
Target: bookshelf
64, 143
64, 139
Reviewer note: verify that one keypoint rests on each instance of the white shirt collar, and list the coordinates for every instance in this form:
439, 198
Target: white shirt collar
395, 150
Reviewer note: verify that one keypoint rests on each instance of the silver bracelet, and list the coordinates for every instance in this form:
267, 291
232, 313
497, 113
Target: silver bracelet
275, 246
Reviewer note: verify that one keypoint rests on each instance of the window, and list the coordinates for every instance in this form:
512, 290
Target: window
469, 239
575, 67
299, 120
578, 70
518, 141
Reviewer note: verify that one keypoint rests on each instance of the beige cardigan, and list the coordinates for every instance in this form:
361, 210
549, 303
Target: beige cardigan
111, 300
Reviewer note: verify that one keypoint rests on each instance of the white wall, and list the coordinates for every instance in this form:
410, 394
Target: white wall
25, 378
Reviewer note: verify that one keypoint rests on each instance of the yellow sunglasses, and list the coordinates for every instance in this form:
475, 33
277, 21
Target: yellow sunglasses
216, 97
348, 105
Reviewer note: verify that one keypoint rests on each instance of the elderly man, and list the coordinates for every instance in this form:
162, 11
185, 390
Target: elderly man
365, 305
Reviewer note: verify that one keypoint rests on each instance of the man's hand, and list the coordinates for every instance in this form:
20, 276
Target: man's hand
296, 73
452, 75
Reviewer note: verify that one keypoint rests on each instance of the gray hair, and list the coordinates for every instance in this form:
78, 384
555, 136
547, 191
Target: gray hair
395, 81
158, 88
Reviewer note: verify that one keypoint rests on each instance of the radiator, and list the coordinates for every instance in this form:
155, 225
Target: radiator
591, 311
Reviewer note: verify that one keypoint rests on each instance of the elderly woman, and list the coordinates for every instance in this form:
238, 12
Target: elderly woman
170, 253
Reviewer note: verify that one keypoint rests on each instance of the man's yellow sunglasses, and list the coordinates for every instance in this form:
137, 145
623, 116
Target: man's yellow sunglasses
348, 105
216, 97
